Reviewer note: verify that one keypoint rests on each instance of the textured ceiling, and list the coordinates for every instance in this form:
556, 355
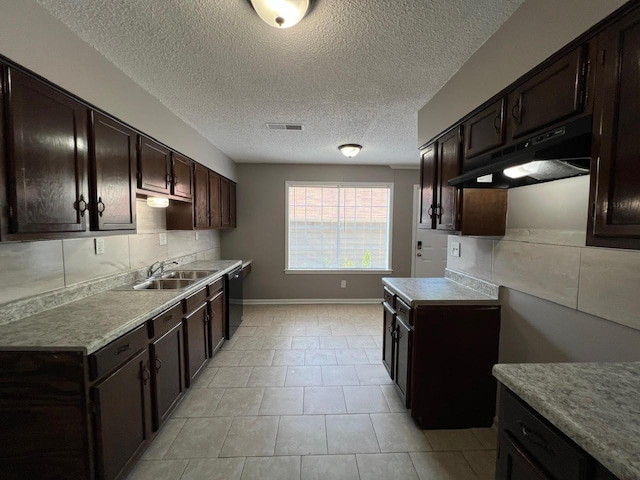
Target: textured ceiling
352, 71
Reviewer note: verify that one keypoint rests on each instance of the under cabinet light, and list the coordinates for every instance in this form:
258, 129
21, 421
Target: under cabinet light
157, 202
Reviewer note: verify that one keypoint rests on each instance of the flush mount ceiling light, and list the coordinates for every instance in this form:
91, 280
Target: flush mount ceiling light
281, 13
157, 202
350, 150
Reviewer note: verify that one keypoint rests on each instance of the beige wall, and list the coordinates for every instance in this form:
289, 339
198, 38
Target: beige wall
30, 36
31, 268
261, 231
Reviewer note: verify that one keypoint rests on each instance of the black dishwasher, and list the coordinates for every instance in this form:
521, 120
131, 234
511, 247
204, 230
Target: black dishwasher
234, 301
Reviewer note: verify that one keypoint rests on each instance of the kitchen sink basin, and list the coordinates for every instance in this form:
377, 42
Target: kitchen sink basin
188, 274
163, 284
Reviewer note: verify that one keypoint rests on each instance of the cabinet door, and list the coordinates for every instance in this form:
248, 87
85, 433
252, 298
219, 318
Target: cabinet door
615, 176
550, 96
215, 211
201, 200
48, 157
166, 366
403, 347
217, 315
233, 220
122, 415
485, 130
224, 203
428, 185
196, 332
182, 177
113, 167
154, 167
514, 464
388, 326
448, 167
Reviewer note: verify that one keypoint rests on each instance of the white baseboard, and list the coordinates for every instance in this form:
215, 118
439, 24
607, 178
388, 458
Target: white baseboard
311, 301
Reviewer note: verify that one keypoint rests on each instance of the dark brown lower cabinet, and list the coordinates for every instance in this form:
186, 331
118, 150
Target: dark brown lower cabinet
388, 326
515, 464
196, 333
217, 321
122, 415
403, 351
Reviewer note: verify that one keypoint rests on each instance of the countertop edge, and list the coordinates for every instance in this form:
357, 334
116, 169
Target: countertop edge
488, 300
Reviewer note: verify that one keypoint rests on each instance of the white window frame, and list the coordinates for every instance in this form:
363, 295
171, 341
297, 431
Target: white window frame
341, 271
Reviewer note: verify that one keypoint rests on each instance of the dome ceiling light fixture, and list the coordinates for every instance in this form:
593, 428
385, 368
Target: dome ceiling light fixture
281, 13
350, 150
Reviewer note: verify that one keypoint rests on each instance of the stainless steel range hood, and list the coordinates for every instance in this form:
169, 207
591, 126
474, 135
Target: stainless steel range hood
561, 152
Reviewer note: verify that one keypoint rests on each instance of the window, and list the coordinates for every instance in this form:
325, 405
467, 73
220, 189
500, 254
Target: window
338, 227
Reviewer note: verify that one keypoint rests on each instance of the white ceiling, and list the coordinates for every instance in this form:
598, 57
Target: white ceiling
353, 71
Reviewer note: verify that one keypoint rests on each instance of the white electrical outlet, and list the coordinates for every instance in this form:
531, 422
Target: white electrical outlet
163, 239
99, 245
343, 284
455, 249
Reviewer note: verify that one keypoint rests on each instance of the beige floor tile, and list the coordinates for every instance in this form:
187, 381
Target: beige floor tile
301, 435
333, 342
200, 438
488, 437
199, 402
368, 330
365, 399
271, 468
214, 469
374, 355
303, 376
483, 463
165, 438
248, 343
318, 331
226, 358
204, 377
397, 432
158, 470
373, 375
342, 330
257, 358
339, 375
450, 440
282, 401
378, 341
251, 437
320, 357
272, 331
240, 401
329, 467
386, 466
243, 331
276, 343
231, 377
283, 322
267, 377
307, 322
393, 398
324, 400
351, 434
305, 343
442, 466
288, 357
255, 322
351, 356
360, 341
293, 331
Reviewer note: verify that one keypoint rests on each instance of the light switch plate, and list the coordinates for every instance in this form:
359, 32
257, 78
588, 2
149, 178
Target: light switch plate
455, 249
343, 284
99, 246
163, 239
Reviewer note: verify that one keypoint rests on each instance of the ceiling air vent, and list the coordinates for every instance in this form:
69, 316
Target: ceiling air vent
285, 126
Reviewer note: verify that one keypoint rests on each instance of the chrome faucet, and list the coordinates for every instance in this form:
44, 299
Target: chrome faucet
161, 266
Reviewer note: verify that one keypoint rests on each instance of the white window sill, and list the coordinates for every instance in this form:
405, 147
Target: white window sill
354, 271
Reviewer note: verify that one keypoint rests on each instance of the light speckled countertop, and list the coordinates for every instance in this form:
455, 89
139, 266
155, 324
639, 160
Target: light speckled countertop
597, 405
436, 291
91, 323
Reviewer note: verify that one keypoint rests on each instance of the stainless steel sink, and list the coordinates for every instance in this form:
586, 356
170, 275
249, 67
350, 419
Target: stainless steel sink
188, 274
163, 284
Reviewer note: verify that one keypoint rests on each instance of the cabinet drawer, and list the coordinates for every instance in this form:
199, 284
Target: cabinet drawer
118, 351
403, 311
389, 297
547, 447
194, 302
164, 322
215, 287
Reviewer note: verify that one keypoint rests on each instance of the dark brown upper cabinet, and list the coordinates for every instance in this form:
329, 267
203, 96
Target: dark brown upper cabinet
448, 166
233, 206
552, 95
47, 157
182, 176
485, 130
215, 210
113, 174
615, 171
428, 179
154, 167
225, 203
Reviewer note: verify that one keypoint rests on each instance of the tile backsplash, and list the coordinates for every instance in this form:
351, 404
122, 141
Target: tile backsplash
32, 268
